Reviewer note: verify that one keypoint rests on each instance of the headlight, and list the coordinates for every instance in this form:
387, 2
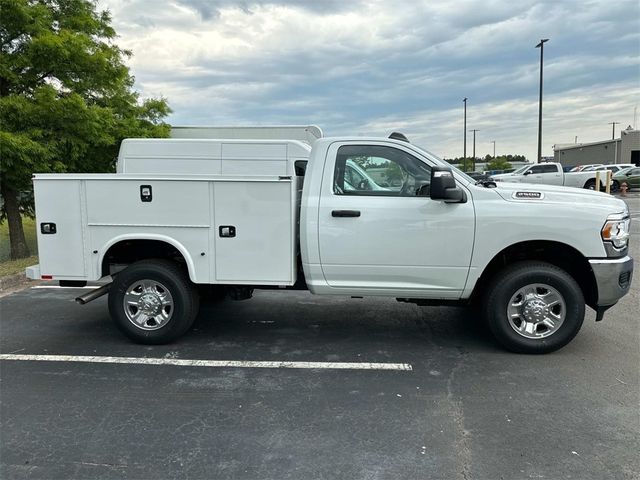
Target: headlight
615, 233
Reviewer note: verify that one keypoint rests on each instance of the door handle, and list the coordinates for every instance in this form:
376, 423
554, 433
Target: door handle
345, 213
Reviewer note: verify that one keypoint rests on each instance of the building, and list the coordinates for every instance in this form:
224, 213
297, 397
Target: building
625, 149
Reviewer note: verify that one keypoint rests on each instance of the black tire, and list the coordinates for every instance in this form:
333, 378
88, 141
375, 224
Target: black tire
590, 185
508, 282
615, 186
184, 301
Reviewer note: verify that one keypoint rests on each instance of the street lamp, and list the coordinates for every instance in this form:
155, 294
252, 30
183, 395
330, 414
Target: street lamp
494, 149
541, 47
464, 156
474, 146
613, 132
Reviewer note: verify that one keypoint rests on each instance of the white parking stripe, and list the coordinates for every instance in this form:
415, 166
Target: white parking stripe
91, 287
208, 363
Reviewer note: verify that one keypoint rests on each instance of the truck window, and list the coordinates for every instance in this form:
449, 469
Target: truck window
544, 169
300, 167
380, 171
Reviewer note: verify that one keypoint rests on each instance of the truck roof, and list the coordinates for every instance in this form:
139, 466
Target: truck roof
304, 133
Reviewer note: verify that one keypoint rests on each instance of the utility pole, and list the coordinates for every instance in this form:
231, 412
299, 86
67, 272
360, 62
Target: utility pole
474, 146
541, 47
464, 156
494, 149
613, 129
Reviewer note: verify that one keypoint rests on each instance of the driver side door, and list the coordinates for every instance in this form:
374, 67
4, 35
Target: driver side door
384, 234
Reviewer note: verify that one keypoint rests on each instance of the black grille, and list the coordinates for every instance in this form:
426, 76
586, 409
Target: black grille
623, 279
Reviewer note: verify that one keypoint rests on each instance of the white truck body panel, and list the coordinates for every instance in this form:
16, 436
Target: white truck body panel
210, 157
63, 253
94, 212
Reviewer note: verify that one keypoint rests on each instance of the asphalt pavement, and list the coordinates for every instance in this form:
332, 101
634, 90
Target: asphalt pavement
464, 410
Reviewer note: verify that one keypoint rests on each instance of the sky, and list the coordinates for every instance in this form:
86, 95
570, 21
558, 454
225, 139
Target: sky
371, 67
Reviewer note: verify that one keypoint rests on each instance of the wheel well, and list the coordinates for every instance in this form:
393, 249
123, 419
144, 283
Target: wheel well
556, 253
125, 252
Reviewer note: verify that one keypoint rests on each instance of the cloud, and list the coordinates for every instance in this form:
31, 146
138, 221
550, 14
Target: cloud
360, 66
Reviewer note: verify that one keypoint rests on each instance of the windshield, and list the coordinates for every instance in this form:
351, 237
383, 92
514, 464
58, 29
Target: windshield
520, 170
438, 160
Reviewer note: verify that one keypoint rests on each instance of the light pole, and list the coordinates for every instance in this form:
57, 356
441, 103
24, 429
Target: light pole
464, 155
494, 149
541, 47
613, 130
474, 130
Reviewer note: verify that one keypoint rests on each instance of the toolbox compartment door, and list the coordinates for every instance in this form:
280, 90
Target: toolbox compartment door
59, 203
260, 248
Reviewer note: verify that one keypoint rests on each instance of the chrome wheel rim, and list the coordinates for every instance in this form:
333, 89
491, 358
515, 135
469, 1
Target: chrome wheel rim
148, 304
536, 311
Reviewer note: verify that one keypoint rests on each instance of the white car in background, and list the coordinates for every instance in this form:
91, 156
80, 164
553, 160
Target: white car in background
552, 174
613, 168
580, 168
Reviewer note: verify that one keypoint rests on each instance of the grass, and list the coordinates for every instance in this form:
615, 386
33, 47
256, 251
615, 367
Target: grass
29, 225
8, 266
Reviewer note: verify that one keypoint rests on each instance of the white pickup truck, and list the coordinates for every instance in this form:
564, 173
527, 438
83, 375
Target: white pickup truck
346, 216
552, 174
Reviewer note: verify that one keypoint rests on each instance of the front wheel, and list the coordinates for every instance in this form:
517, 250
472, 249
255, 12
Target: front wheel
153, 301
534, 307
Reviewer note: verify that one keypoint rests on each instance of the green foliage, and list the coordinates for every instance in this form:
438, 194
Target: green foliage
66, 97
29, 225
502, 162
13, 267
499, 163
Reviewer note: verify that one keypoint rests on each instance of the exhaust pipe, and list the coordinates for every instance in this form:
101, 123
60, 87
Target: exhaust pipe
93, 294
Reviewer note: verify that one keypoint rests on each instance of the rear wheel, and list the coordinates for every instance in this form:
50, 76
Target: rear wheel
591, 185
153, 301
534, 307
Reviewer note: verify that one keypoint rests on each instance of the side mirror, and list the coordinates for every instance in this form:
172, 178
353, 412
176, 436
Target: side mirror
443, 186
528, 172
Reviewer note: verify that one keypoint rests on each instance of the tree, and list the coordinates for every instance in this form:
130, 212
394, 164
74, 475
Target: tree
66, 99
499, 163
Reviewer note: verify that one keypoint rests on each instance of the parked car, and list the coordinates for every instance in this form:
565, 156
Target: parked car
579, 168
614, 168
552, 174
629, 175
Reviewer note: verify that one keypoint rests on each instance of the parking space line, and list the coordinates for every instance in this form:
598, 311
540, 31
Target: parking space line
91, 287
209, 363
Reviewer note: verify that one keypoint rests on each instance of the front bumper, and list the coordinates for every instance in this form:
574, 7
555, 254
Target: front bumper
613, 278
